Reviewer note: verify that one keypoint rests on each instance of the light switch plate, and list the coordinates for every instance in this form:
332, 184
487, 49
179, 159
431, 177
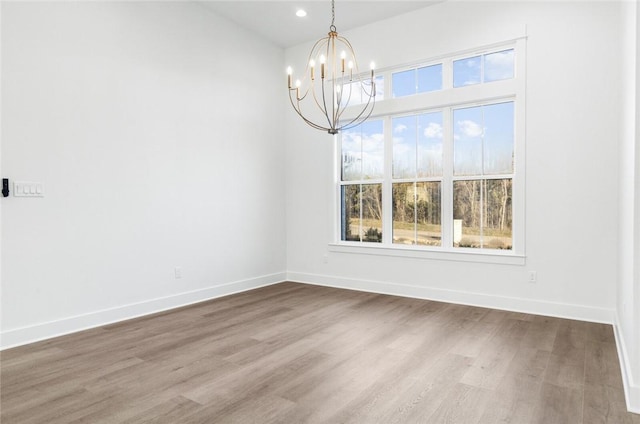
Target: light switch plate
28, 189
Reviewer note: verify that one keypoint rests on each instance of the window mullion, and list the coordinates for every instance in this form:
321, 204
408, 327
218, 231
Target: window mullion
415, 213
483, 184
447, 74
387, 189
446, 188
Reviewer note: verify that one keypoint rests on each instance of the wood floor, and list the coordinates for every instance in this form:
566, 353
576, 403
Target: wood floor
294, 353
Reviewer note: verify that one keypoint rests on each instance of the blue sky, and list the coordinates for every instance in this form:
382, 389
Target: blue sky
417, 145
483, 139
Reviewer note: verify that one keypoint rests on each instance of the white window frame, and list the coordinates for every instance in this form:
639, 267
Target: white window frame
445, 100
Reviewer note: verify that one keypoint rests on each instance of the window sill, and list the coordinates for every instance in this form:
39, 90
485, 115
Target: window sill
458, 255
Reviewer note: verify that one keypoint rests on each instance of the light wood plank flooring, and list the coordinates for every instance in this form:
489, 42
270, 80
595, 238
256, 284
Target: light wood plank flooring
295, 353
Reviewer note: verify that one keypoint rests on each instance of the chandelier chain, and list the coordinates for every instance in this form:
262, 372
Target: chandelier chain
333, 15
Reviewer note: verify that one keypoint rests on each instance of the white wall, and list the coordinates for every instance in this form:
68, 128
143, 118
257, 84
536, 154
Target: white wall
628, 305
636, 217
154, 129
573, 106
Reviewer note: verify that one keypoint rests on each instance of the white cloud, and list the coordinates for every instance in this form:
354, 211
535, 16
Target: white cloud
401, 148
472, 63
377, 137
400, 128
500, 58
499, 65
470, 128
373, 143
433, 130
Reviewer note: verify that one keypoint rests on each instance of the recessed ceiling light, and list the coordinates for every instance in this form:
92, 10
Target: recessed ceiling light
301, 13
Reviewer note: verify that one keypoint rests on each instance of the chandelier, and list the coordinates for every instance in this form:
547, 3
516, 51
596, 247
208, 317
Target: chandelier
333, 86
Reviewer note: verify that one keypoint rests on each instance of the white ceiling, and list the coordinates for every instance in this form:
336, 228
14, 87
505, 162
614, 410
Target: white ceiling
277, 21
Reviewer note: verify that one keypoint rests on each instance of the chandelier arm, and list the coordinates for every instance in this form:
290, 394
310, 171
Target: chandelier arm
326, 113
318, 104
354, 123
298, 98
346, 104
323, 106
371, 92
357, 120
307, 73
312, 85
340, 110
315, 97
366, 106
307, 121
353, 53
330, 46
303, 96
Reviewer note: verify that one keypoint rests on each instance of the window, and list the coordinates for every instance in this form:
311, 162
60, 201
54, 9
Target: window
440, 168
483, 140
419, 80
489, 67
362, 175
417, 179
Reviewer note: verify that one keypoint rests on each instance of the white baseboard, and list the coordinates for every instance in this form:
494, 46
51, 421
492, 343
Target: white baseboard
20, 336
515, 304
631, 388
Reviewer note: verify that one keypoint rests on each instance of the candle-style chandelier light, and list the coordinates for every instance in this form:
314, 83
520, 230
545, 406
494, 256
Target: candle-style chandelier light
337, 83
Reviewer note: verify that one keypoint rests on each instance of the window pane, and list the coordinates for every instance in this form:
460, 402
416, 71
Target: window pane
347, 94
497, 215
467, 136
467, 71
428, 213
379, 79
417, 213
363, 151
404, 83
351, 93
498, 66
351, 154
371, 228
430, 78
498, 138
372, 149
359, 91
404, 231
350, 216
404, 147
430, 144
466, 214
483, 214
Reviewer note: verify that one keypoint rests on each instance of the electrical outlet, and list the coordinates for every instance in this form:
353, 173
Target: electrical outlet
533, 277
325, 259
178, 272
